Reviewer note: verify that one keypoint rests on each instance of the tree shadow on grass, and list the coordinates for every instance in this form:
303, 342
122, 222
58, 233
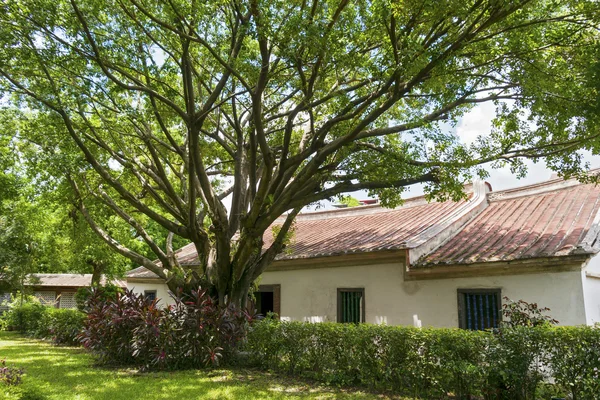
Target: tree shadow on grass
68, 373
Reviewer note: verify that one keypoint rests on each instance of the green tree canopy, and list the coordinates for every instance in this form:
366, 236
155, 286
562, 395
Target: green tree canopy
157, 111
41, 235
40, 230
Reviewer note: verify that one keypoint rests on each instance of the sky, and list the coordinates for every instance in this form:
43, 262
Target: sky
476, 122
479, 122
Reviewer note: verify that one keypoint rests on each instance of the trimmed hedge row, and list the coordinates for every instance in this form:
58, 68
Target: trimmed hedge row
511, 363
60, 325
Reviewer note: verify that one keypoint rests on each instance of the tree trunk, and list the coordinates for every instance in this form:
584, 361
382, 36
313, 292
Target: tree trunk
239, 293
98, 268
225, 293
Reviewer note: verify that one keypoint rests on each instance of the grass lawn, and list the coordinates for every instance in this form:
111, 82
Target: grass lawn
68, 373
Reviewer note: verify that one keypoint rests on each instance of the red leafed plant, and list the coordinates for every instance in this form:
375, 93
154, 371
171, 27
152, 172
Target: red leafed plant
193, 332
522, 313
10, 376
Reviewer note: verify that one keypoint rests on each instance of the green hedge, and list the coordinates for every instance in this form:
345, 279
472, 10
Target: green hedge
512, 363
60, 325
26, 317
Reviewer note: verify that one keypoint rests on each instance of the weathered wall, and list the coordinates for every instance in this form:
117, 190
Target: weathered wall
311, 294
161, 291
591, 290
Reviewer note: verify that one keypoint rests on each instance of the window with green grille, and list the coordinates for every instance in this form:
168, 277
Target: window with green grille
351, 305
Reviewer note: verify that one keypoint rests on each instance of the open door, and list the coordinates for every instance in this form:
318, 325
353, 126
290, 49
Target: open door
268, 299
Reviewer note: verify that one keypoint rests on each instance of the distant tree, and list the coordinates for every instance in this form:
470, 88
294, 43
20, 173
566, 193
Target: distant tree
159, 110
40, 231
19, 249
349, 201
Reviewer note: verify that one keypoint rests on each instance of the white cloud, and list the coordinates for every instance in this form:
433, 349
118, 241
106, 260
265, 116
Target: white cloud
476, 122
479, 122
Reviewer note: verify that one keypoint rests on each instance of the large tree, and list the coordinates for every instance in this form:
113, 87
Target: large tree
159, 110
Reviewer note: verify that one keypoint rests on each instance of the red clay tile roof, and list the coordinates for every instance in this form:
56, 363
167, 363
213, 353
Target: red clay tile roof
330, 234
186, 255
142, 272
352, 230
550, 219
518, 224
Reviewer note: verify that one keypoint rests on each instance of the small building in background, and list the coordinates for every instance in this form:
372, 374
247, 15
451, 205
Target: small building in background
59, 290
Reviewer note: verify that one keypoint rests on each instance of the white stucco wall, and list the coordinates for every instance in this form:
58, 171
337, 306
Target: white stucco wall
591, 289
161, 291
311, 294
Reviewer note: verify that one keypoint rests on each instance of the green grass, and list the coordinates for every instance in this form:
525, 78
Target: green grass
69, 373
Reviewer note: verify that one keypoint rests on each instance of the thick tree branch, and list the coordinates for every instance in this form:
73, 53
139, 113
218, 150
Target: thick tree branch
124, 251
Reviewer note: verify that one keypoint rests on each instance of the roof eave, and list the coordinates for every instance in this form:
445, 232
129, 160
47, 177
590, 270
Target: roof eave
140, 279
496, 268
340, 260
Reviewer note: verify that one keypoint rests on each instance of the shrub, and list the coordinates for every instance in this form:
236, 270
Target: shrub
574, 354
10, 376
455, 359
26, 317
510, 363
62, 326
108, 328
107, 292
522, 313
430, 362
193, 332
517, 356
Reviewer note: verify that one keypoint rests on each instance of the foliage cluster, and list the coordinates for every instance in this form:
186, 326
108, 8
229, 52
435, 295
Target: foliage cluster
193, 332
144, 116
62, 326
24, 315
108, 292
522, 313
510, 363
10, 376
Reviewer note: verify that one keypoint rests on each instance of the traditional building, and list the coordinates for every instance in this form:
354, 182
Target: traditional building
447, 264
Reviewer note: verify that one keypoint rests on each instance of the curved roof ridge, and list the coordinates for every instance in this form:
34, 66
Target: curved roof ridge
374, 208
550, 185
565, 220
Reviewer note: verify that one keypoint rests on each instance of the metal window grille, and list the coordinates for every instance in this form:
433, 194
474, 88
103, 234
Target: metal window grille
479, 310
67, 300
150, 294
351, 303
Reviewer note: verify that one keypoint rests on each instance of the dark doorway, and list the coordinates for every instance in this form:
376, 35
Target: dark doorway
264, 302
266, 299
